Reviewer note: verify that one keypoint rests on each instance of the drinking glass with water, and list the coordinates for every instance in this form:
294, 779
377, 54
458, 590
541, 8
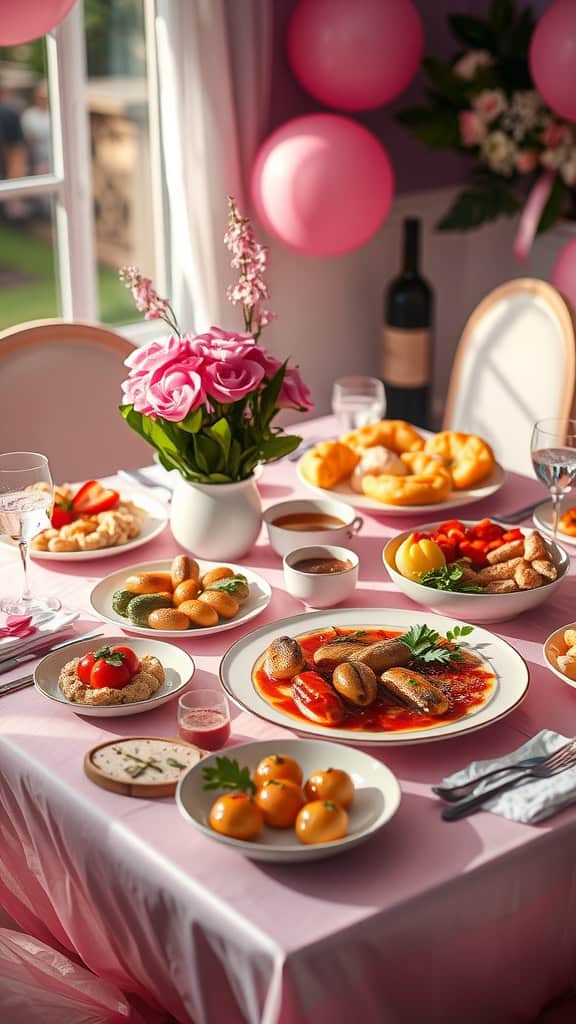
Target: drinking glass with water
358, 401
554, 459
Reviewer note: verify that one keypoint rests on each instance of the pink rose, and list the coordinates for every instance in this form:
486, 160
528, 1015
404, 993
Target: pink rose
526, 160
268, 362
472, 129
294, 394
489, 104
556, 135
135, 392
232, 381
175, 393
157, 355
468, 65
222, 346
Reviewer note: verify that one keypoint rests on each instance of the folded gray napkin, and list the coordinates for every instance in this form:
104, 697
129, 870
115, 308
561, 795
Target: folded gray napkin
532, 800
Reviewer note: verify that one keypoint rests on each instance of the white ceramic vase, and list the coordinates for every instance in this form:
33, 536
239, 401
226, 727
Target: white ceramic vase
216, 521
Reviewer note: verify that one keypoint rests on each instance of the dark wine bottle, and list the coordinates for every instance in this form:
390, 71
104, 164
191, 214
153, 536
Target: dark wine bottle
407, 336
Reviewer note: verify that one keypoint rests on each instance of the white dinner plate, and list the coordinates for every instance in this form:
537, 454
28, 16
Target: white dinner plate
542, 519
152, 526
509, 668
101, 600
178, 666
376, 799
361, 502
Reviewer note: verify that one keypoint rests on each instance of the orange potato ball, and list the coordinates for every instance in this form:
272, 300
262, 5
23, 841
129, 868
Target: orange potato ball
222, 572
279, 800
188, 590
236, 815
199, 614
321, 821
224, 604
277, 766
332, 784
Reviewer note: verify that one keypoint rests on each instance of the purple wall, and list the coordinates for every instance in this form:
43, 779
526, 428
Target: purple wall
417, 166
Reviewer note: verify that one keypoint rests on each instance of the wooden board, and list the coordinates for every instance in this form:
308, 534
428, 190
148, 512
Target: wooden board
135, 787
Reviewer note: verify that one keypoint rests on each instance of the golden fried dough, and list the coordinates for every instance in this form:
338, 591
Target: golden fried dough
500, 571
428, 484
546, 568
397, 435
526, 577
534, 547
501, 587
328, 463
515, 549
469, 458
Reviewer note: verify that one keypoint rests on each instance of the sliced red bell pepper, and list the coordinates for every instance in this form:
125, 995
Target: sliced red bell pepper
511, 535
475, 550
93, 498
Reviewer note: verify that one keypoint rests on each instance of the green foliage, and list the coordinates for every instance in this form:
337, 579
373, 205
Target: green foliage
489, 197
434, 126
449, 577
427, 645
227, 774
223, 445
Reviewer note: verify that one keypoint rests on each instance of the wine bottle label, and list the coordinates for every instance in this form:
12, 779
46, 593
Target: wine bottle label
406, 357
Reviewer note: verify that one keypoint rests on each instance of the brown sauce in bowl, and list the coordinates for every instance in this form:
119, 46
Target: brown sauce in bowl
321, 565
308, 521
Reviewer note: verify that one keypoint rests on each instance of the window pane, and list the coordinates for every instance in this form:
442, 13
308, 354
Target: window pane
118, 107
25, 145
28, 281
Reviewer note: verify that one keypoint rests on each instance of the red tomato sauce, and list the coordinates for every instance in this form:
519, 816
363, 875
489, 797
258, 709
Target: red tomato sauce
467, 686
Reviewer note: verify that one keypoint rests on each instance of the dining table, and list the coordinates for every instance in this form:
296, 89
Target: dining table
428, 920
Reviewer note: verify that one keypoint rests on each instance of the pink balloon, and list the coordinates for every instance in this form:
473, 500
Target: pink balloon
322, 184
355, 54
23, 20
564, 272
553, 58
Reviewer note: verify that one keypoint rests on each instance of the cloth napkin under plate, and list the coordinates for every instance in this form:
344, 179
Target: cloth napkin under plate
47, 629
530, 801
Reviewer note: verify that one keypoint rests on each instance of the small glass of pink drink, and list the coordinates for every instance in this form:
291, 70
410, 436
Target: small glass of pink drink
204, 718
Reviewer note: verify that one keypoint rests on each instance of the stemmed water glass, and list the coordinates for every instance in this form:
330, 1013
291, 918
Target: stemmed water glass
554, 459
24, 511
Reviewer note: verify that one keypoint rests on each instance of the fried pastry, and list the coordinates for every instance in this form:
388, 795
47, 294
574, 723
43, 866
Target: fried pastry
546, 568
534, 547
396, 435
501, 587
515, 549
328, 463
526, 577
428, 483
469, 458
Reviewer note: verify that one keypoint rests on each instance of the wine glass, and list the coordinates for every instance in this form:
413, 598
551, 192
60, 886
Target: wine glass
554, 459
24, 511
358, 401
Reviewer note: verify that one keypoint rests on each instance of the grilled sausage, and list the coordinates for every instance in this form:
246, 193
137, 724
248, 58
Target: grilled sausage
383, 655
356, 682
316, 699
284, 658
416, 690
334, 653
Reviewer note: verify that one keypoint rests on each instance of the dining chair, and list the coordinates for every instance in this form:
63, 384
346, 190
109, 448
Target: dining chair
515, 364
59, 394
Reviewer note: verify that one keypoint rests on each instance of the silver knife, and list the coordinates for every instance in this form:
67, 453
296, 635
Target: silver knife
521, 513
9, 663
16, 684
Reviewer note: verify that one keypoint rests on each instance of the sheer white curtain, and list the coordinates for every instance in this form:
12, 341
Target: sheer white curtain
214, 59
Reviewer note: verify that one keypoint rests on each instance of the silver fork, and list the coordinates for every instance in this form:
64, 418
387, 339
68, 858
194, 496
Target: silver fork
451, 794
556, 763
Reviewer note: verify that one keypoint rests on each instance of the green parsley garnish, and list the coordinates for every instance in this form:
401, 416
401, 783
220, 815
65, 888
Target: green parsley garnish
227, 774
449, 577
427, 645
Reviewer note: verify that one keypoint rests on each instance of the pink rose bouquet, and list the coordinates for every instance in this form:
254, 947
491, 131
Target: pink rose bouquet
484, 103
206, 402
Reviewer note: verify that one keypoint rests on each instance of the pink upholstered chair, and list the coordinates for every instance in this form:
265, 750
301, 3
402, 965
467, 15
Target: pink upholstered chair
59, 395
515, 364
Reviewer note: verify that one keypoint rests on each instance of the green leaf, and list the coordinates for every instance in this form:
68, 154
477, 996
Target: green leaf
474, 32
220, 432
521, 35
227, 774
502, 14
434, 126
269, 395
482, 202
425, 644
555, 206
278, 446
445, 82
192, 423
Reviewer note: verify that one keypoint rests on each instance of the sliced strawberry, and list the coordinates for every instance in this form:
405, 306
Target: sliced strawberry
93, 497
62, 514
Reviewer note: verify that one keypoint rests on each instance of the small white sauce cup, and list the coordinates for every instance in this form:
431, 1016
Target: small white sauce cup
320, 590
284, 540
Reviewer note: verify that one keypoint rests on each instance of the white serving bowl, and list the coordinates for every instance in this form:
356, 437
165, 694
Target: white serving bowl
473, 607
376, 800
555, 645
283, 540
321, 590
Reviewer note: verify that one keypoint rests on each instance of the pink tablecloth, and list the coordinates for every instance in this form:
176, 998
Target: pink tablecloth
474, 921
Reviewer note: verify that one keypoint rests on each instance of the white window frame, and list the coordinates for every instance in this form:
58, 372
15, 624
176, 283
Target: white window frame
70, 184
